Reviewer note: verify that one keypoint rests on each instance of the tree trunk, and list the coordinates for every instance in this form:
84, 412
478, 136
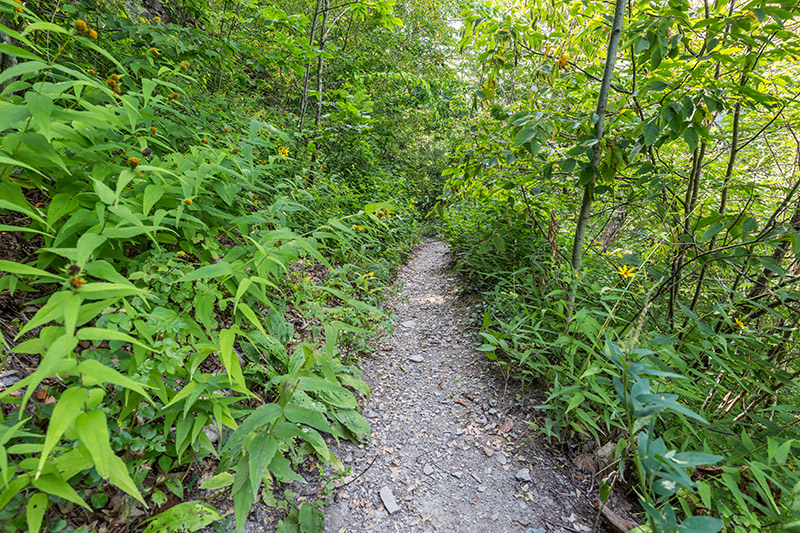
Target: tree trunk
322, 38
602, 101
304, 101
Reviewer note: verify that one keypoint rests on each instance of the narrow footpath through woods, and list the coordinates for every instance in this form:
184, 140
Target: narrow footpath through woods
450, 450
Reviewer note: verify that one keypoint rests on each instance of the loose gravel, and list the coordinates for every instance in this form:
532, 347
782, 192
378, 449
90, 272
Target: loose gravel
450, 450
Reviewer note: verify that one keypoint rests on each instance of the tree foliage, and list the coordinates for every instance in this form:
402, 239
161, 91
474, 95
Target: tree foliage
690, 269
186, 273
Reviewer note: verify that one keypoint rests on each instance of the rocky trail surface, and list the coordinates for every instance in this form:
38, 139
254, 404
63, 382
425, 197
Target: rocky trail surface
450, 450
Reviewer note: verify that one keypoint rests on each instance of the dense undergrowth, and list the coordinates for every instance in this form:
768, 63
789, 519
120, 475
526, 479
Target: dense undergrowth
187, 277
666, 341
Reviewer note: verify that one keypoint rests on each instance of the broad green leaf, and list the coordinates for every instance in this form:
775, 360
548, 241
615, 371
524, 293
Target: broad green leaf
286, 430
104, 192
691, 138
355, 422
692, 459
309, 417
15, 51
701, 524
217, 270
101, 374
24, 270
34, 512
92, 429
230, 359
105, 271
102, 334
43, 26
100, 290
11, 114
72, 309
68, 407
243, 496
243, 286
330, 392
87, 244
186, 516
524, 135
651, 132
12, 489
55, 360
41, 108
575, 401
220, 481
152, 194
261, 451
260, 417
54, 484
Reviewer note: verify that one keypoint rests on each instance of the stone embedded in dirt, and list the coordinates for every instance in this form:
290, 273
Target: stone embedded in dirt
458, 474
523, 475
371, 414
416, 358
428, 469
212, 433
408, 324
388, 500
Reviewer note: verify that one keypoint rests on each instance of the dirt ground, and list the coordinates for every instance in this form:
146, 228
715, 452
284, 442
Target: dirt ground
450, 445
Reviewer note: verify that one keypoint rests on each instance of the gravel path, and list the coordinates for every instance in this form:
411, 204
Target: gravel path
449, 450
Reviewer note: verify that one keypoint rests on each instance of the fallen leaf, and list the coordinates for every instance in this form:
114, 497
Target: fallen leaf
506, 426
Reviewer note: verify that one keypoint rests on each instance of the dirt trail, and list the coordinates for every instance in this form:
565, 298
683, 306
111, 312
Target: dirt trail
448, 446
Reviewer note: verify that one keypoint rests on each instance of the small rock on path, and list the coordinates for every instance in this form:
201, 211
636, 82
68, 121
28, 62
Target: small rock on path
439, 419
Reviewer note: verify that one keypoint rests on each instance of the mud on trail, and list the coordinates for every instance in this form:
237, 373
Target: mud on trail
450, 450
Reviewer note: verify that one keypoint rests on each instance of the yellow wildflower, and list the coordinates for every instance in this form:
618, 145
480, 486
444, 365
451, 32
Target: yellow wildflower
739, 322
626, 272
133, 161
188, 201
155, 51
153, 130
77, 282
185, 65
92, 35
81, 25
